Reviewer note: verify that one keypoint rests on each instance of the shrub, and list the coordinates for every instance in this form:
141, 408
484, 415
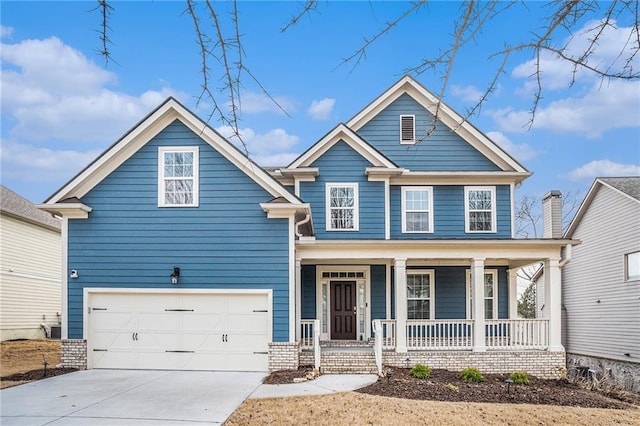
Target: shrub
420, 371
471, 374
519, 377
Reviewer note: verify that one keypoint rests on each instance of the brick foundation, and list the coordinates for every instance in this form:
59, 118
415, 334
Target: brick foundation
74, 353
283, 356
542, 364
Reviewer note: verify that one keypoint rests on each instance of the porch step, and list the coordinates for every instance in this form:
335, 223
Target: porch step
346, 344
347, 361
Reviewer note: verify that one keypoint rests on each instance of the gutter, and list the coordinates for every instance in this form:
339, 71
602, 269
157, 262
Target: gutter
302, 222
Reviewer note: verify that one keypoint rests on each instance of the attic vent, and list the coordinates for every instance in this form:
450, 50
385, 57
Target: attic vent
407, 129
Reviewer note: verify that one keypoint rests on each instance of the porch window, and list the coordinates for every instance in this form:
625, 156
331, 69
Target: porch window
480, 209
342, 206
178, 176
632, 266
420, 295
490, 294
417, 209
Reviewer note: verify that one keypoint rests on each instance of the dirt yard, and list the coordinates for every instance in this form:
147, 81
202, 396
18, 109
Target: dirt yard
21, 361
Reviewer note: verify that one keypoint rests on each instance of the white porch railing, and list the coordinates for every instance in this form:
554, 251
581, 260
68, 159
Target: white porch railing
310, 339
377, 343
517, 333
439, 334
388, 334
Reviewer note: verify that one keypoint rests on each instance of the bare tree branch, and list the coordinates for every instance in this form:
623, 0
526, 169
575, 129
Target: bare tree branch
306, 9
105, 10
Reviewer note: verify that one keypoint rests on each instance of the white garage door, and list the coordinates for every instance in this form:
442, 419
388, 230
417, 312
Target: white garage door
178, 331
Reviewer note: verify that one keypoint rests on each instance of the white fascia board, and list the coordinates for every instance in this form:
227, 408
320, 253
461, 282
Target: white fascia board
302, 174
448, 116
341, 132
457, 178
382, 173
143, 132
67, 210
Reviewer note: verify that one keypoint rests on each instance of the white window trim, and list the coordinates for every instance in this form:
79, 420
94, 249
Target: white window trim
404, 209
494, 227
626, 267
432, 291
356, 205
468, 292
196, 174
408, 141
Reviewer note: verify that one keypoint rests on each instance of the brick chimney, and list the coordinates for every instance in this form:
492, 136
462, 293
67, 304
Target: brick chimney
552, 214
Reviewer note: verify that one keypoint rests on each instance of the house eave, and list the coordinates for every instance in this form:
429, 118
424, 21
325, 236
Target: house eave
67, 210
459, 177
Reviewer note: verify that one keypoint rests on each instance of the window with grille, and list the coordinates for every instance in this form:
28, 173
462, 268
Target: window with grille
420, 291
407, 129
417, 209
342, 206
178, 176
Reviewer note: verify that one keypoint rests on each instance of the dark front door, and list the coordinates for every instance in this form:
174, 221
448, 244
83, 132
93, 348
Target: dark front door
343, 313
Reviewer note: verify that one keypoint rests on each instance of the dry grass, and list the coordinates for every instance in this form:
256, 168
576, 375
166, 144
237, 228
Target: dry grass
20, 356
359, 409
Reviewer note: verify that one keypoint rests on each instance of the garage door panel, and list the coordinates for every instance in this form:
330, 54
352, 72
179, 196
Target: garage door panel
180, 331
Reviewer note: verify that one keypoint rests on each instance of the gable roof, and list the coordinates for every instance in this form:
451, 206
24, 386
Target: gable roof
342, 133
19, 207
625, 186
408, 85
169, 111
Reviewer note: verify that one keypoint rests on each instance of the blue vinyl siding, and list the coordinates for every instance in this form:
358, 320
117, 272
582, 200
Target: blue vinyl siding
448, 219
443, 150
378, 287
308, 289
342, 164
225, 243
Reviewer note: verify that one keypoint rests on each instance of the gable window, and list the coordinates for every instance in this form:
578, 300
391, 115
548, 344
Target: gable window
178, 176
632, 266
420, 294
480, 209
342, 206
407, 129
490, 294
417, 209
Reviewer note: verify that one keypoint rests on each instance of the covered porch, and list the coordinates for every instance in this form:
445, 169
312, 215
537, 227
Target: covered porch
411, 297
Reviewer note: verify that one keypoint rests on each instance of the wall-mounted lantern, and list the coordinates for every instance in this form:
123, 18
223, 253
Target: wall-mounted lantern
175, 275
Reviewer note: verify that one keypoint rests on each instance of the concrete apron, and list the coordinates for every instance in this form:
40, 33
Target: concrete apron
131, 397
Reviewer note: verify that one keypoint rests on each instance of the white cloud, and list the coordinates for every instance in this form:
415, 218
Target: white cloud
521, 152
613, 106
28, 163
53, 92
252, 102
321, 110
6, 31
467, 93
601, 168
273, 148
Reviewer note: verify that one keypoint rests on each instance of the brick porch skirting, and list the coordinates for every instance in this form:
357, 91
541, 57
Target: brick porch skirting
283, 356
74, 353
542, 364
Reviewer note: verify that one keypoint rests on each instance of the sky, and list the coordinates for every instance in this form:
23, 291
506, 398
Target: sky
63, 104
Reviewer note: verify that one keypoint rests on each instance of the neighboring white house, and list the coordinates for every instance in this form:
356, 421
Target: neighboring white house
601, 284
30, 262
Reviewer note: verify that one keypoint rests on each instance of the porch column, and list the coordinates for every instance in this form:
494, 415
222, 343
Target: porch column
298, 297
477, 290
401, 304
513, 293
553, 302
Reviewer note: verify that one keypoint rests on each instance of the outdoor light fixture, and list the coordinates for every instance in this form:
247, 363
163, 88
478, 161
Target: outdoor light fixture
389, 375
509, 383
74, 274
175, 275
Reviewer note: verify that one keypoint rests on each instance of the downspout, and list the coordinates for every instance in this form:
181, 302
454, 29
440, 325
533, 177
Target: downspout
302, 222
567, 256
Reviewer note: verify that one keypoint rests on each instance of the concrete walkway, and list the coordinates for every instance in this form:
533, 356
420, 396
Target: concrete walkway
132, 397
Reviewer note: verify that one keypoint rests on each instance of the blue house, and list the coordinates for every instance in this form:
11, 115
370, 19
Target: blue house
393, 233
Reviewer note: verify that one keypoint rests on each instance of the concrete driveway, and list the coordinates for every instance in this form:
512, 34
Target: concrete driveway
128, 397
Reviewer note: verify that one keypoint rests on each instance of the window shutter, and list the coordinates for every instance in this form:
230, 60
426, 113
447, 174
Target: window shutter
407, 128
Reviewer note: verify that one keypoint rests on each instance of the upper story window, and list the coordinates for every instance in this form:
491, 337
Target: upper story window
420, 294
407, 129
490, 294
342, 206
417, 209
178, 176
480, 209
632, 266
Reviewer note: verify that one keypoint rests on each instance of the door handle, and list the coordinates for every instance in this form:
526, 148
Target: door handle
355, 309
134, 336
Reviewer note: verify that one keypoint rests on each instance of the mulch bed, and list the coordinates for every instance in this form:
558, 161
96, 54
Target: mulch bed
445, 385
37, 374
